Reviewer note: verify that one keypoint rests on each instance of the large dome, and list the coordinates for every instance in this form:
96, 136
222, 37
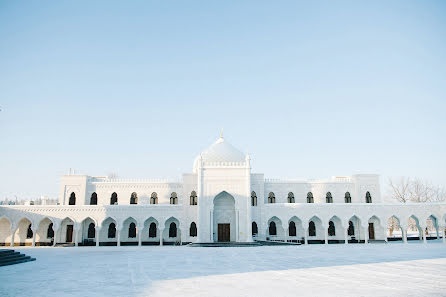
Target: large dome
220, 151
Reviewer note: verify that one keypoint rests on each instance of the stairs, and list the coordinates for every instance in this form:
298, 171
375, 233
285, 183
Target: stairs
225, 244
10, 257
271, 242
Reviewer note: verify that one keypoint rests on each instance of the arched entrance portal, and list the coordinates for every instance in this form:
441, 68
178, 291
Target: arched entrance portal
224, 224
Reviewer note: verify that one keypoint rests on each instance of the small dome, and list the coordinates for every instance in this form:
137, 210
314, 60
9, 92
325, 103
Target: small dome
221, 151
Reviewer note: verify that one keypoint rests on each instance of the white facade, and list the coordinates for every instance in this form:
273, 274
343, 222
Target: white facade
223, 199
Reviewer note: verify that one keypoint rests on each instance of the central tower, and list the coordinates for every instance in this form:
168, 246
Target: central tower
224, 191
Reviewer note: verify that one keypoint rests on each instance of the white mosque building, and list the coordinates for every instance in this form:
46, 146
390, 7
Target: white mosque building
220, 201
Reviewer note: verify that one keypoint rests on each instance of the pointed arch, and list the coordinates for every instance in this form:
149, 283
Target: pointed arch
193, 198
271, 198
368, 197
254, 228
193, 230
132, 230
173, 229
72, 199
173, 198
310, 198
94, 199
290, 197
292, 228
154, 198
272, 229
311, 229
152, 230
347, 197
328, 198
253, 198
112, 230
134, 198
114, 198
91, 232
314, 225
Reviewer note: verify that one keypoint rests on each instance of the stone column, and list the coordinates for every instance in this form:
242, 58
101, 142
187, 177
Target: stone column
366, 234
76, 234
13, 231
404, 234
140, 228
55, 229
442, 233
286, 234
346, 235
326, 234
118, 231
211, 226
34, 235
161, 236
306, 235
96, 235
423, 232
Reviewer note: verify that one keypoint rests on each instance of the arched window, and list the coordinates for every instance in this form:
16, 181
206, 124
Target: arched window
94, 199
193, 230
255, 230
134, 198
329, 198
272, 228
112, 230
348, 198
253, 198
292, 229
311, 229
310, 198
132, 230
152, 230
331, 229
91, 231
193, 198
173, 230
50, 231
368, 197
351, 228
154, 198
29, 232
114, 199
290, 197
72, 200
271, 198
173, 198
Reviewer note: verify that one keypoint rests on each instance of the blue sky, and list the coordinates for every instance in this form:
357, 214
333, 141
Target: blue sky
310, 90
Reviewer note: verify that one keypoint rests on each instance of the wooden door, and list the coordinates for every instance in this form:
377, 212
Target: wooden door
371, 231
224, 232
69, 233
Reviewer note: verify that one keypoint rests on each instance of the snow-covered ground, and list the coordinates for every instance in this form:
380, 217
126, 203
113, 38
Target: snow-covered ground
391, 269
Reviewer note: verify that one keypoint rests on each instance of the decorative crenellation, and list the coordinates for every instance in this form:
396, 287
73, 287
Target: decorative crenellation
224, 164
137, 186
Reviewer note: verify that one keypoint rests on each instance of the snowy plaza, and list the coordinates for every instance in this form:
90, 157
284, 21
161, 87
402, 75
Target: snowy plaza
393, 269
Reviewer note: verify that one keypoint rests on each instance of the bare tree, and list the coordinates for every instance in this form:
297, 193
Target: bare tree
400, 189
415, 190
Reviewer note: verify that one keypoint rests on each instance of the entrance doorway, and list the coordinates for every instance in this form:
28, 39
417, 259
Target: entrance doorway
69, 233
371, 231
224, 223
224, 232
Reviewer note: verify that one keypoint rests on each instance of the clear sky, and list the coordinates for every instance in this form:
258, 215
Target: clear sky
139, 88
